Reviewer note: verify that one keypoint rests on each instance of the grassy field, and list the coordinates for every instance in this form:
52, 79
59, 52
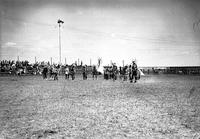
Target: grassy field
158, 106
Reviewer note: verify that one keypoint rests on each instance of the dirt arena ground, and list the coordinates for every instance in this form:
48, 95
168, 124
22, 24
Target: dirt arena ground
158, 106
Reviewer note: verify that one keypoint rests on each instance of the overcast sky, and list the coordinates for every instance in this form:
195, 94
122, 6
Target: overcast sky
154, 32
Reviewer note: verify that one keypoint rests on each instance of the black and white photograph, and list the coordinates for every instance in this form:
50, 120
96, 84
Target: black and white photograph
99, 69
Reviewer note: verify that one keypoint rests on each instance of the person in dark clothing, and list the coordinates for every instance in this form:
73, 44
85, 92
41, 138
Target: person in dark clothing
94, 72
50, 72
72, 72
130, 72
114, 72
120, 72
133, 74
44, 72
84, 72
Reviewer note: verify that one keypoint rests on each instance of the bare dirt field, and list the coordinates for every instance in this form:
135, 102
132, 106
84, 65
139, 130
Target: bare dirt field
158, 106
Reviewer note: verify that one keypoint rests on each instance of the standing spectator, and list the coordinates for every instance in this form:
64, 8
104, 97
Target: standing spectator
72, 72
120, 72
130, 72
44, 72
84, 72
94, 72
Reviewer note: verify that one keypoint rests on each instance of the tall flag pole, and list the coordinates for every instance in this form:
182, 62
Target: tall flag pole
59, 24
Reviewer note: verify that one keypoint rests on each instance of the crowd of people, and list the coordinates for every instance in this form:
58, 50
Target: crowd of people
21, 67
51, 72
17, 67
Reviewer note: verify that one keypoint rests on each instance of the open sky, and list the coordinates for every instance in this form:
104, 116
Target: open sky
154, 32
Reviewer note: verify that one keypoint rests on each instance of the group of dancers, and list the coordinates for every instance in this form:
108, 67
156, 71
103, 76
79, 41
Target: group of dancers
128, 72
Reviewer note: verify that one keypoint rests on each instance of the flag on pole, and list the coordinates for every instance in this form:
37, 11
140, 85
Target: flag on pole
60, 21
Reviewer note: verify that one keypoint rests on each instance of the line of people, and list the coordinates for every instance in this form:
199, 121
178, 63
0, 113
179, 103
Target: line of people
69, 71
128, 72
